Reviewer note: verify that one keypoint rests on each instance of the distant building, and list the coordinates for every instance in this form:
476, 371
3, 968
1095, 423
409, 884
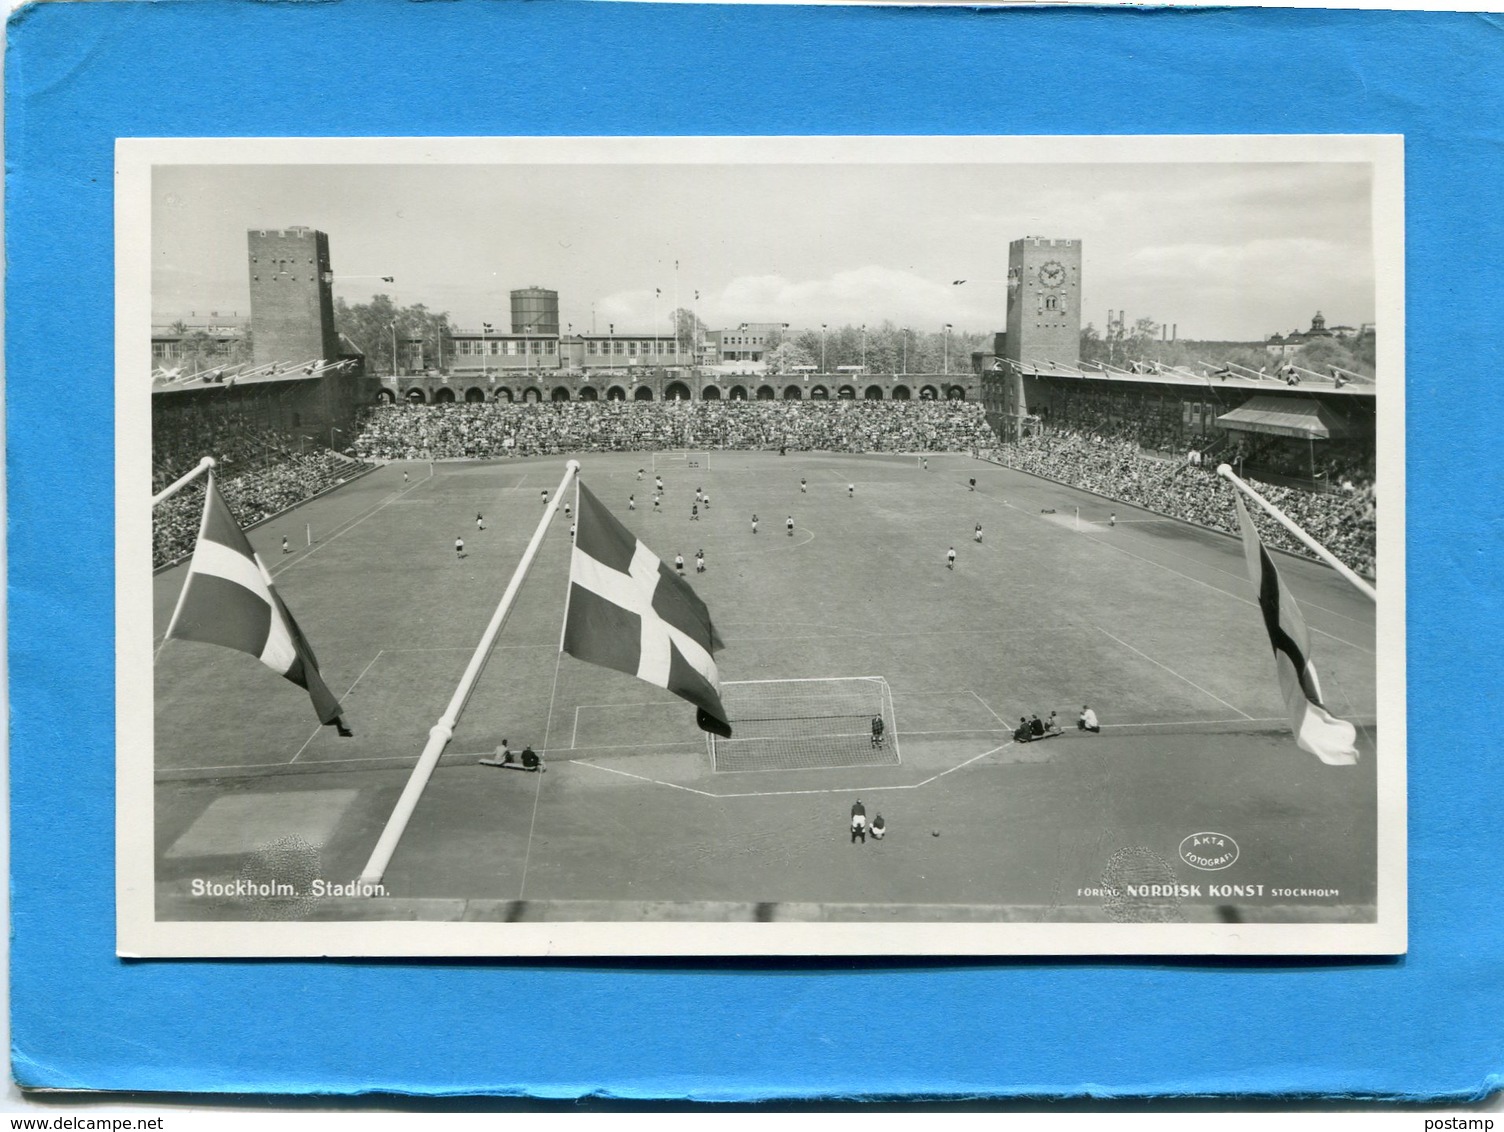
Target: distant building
1283, 345
750, 341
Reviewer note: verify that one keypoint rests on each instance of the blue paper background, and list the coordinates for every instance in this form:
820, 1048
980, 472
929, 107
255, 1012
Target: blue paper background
78, 75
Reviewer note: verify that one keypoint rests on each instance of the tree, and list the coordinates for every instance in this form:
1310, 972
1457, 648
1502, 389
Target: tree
689, 328
784, 357
372, 327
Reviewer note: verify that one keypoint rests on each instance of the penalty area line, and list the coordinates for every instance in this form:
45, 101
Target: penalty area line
794, 793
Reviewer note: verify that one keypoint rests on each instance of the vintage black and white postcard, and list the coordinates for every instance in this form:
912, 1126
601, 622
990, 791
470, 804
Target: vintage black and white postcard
853, 545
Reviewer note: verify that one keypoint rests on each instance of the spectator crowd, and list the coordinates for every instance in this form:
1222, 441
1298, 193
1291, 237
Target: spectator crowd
493, 429
252, 495
1342, 520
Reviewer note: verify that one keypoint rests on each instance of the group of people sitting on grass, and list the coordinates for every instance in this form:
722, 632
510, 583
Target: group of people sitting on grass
486, 430
1029, 730
1344, 521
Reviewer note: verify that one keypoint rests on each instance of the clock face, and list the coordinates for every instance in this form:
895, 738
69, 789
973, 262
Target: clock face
1052, 274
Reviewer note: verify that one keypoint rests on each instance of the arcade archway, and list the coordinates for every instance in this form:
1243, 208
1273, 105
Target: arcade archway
819, 393
415, 396
676, 391
643, 394
792, 393
443, 396
616, 393
900, 393
765, 393
874, 393
955, 393
928, 393
588, 393
846, 393
531, 396
738, 392
474, 396
710, 393
385, 397
559, 394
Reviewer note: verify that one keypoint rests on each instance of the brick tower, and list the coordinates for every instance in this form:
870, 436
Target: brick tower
1044, 302
292, 296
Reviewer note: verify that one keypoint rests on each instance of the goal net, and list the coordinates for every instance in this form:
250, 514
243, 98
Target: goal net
806, 725
681, 461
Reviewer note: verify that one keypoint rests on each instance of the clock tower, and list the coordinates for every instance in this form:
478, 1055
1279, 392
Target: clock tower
1044, 302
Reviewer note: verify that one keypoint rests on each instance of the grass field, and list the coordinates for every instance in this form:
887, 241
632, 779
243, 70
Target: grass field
1150, 621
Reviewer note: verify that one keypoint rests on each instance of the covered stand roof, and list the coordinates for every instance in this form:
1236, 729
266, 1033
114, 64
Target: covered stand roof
1285, 416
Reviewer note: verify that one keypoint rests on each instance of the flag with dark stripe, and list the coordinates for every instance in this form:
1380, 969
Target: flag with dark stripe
228, 599
1316, 730
630, 611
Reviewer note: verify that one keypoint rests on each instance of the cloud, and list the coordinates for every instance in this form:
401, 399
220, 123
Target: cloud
871, 294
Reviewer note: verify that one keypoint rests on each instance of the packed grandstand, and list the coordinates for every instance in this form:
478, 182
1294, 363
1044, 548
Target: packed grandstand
1135, 462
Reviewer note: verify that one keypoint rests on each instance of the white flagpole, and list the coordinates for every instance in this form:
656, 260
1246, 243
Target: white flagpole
441, 732
179, 484
1294, 528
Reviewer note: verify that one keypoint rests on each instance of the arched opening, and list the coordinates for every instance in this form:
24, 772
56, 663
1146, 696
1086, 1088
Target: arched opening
710, 393
616, 393
531, 396
415, 396
444, 396
846, 393
738, 392
874, 393
559, 394
928, 393
643, 394
765, 393
955, 393
588, 393
900, 393
504, 395
819, 393
792, 393
385, 397
676, 391
474, 396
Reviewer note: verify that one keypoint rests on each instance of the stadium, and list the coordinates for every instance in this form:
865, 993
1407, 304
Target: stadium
1038, 589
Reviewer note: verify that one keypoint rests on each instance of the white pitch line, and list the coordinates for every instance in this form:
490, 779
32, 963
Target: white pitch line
1200, 581
984, 703
575, 731
311, 551
1173, 673
348, 690
792, 793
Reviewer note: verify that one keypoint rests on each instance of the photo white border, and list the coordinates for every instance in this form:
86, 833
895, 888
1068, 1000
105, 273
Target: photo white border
140, 934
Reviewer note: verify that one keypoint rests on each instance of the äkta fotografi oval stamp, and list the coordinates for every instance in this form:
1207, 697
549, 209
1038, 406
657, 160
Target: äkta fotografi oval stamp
1209, 852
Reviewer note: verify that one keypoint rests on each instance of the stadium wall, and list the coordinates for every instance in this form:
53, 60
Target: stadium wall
661, 384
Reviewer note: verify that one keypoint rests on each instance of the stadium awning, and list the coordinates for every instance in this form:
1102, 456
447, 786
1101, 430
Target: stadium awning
1281, 416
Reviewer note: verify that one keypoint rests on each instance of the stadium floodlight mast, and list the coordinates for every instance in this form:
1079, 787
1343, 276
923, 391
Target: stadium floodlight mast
442, 731
485, 328
947, 346
822, 347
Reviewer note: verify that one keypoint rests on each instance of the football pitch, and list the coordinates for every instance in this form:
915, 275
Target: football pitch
1148, 620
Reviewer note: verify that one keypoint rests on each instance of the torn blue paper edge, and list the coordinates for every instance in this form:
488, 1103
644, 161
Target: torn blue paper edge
79, 75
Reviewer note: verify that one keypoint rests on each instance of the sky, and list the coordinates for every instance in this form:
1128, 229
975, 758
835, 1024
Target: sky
1222, 250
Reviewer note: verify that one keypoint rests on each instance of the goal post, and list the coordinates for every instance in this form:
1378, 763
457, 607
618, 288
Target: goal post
681, 460
807, 724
